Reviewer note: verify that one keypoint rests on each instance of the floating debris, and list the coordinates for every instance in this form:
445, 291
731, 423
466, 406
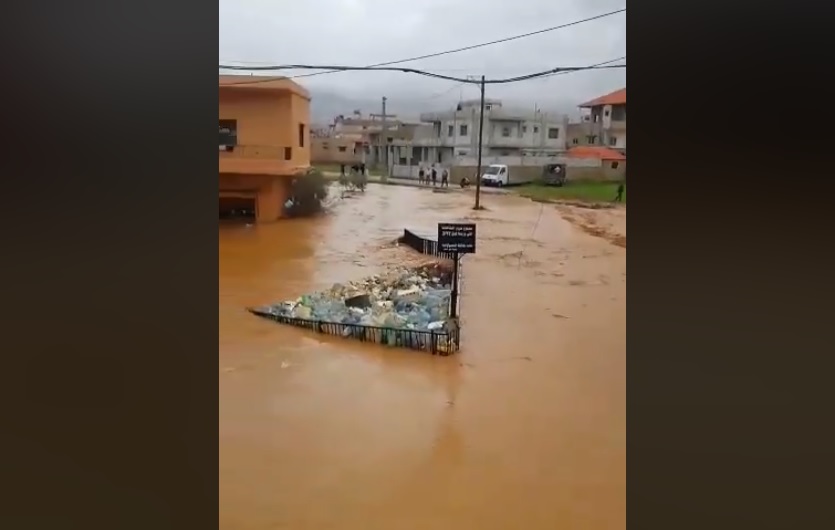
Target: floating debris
404, 298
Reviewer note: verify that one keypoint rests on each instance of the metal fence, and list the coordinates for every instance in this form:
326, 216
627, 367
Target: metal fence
423, 245
435, 342
441, 342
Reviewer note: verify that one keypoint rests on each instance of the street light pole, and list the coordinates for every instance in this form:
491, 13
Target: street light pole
480, 142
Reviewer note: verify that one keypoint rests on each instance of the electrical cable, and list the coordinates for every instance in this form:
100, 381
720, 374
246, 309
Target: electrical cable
475, 46
534, 75
595, 65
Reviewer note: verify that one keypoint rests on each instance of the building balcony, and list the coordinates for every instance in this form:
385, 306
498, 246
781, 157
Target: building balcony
617, 125
509, 141
260, 160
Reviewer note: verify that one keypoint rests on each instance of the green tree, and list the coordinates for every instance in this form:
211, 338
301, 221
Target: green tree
308, 193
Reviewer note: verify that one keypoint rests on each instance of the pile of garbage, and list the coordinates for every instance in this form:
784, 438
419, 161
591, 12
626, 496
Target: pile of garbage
405, 298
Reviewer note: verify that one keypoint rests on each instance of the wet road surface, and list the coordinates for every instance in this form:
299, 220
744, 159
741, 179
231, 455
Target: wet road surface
524, 428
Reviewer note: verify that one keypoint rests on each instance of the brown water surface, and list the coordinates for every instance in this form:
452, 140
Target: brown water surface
524, 428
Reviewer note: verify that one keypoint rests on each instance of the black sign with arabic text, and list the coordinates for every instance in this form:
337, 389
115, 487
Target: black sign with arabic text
456, 237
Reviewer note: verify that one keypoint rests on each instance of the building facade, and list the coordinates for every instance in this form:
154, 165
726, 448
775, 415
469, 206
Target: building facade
507, 132
327, 150
603, 122
359, 139
264, 142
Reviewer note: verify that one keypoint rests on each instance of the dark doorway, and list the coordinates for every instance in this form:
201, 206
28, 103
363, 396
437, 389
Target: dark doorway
237, 209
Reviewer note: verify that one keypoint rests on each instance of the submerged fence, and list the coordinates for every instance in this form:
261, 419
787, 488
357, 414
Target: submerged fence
437, 342
443, 342
423, 245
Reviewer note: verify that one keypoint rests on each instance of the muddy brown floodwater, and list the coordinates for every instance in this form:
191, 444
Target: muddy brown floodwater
524, 428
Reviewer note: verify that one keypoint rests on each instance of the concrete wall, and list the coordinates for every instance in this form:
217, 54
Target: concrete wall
603, 172
525, 170
334, 151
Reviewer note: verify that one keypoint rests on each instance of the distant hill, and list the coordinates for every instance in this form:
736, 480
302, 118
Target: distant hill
326, 104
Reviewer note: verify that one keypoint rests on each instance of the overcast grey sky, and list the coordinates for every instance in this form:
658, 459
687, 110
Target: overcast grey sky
363, 32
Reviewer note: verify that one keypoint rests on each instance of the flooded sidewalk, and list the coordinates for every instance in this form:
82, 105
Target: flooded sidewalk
524, 428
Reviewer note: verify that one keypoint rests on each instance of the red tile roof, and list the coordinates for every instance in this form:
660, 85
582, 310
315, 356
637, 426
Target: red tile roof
618, 97
591, 151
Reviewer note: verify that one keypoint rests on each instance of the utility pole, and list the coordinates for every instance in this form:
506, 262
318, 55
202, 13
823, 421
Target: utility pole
384, 141
480, 144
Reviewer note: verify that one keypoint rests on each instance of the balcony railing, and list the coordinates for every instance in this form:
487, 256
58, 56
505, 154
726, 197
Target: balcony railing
263, 159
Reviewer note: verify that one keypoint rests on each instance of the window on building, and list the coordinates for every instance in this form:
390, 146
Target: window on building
591, 139
325, 147
524, 129
506, 131
553, 132
288, 153
613, 140
606, 113
614, 165
450, 130
535, 130
462, 130
301, 135
575, 141
228, 133
342, 148
488, 107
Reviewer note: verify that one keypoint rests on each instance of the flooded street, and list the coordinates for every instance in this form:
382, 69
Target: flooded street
524, 428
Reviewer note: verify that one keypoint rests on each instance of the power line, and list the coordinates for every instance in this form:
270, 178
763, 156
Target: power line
474, 46
515, 79
610, 61
441, 70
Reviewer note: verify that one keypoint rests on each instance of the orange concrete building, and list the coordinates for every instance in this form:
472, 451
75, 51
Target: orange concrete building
264, 142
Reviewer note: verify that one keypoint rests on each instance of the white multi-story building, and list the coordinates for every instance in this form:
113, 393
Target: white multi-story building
603, 122
507, 132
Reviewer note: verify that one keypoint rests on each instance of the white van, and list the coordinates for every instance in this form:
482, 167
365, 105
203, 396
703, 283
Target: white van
496, 175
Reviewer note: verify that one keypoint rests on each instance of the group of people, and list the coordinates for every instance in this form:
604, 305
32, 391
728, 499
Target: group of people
356, 179
356, 168
431, 175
